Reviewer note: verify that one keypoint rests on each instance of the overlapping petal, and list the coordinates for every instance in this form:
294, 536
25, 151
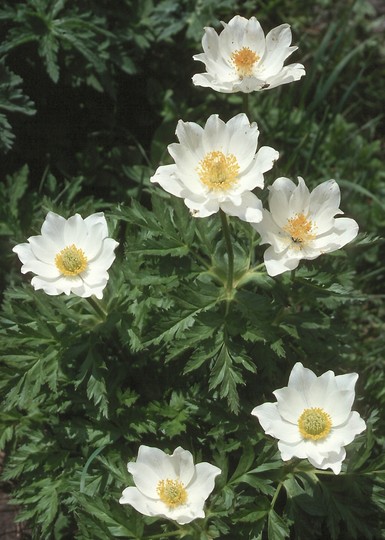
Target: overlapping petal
217, 167
328, 396
154, 467
88, 237
264, 57
302, 225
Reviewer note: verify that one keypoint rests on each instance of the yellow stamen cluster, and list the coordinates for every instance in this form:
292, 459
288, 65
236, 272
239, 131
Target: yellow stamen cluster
172, 492
244, 60
218, 171
300, 229
71, 261
314, 424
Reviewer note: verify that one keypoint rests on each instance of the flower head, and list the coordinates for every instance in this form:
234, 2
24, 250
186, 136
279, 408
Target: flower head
312, 417
242, 59
301, 225
169, 486
217, 167
70, 255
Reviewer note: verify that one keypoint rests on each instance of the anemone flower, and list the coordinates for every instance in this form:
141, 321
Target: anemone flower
169, 486
301, 225
70, 255
217, 167
312, 418
242, 59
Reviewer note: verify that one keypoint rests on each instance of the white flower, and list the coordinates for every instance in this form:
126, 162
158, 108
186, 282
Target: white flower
217, 167
70, 255
242, 59
169, 486
312, 417
301, 225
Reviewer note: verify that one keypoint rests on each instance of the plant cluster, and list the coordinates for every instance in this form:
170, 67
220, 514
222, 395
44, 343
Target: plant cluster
163, 305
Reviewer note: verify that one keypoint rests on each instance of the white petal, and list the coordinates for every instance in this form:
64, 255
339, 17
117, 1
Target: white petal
289, 451
344, 231
288, 74
203, 481
352, 427
185, 173
190, 135
56, 286
254, 37
106, 256
53, 227
202, 209
215, 135
183, 464
290, 403
166, 176
267, 414
142, 504
299, 199
347, 381
262, 162
278, 263
271, 233
332, 461
277, 49
157, 460
147, 478
75, 231
250, 208
324, 205
42, 269
301, 378
318, 392
243, 140
97, 219
44, 248
279, 196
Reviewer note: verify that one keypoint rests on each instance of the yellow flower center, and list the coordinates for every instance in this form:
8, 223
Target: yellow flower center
300, 229
314, 424
218, 171
71, 261
244, 60
172, 492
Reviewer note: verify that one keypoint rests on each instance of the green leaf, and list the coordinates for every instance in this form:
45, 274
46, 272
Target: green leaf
277, 528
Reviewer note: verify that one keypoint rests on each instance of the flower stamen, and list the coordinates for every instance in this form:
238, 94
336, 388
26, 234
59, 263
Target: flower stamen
218, 171
71, 261
314, 424
244, 60
300, 229
172, 492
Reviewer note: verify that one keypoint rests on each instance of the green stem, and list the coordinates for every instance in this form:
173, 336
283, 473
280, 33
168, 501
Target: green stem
275, 497
230, 252
97, 306
245, 99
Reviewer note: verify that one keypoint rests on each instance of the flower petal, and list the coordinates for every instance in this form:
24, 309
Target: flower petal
203, 482
249, 209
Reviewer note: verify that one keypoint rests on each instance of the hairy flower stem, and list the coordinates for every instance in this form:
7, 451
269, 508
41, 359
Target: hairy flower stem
230, 252
245, 102
97, 306
275, 496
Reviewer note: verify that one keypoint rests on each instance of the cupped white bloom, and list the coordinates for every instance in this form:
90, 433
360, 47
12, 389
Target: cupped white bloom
169, 486
312, 418
242, 59
302, 225
70, 255
217, 167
